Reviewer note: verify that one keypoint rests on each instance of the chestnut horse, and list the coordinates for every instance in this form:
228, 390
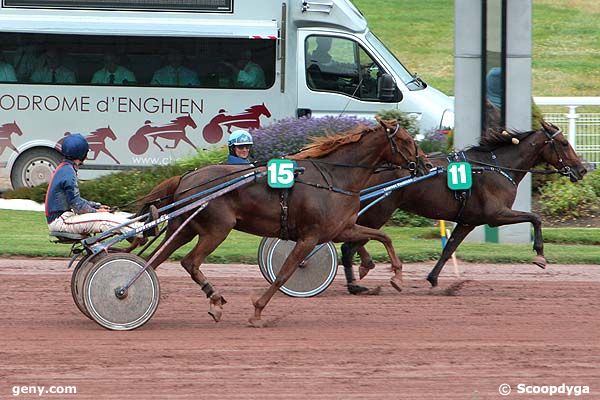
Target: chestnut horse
322, 205
507, 158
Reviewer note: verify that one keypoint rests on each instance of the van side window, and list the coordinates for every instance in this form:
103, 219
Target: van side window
97, 60
340, 65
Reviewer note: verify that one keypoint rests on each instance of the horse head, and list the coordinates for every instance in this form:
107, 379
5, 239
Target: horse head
560, 154
259, 110
185, 120
10, 128
403, 150
108, 133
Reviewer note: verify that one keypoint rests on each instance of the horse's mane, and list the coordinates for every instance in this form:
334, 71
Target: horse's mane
493, 139
255, 107
321, 146
7, 125
181, 117
99, 131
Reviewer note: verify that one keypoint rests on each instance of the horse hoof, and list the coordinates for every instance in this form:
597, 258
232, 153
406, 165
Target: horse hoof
256, 322
216, 313
363, 271
353, 288
396, 283
433, 281
540, 262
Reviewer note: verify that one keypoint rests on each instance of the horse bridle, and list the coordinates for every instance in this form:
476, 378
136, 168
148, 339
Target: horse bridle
564, 168
411, 165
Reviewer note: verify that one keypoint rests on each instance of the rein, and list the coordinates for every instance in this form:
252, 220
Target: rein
137, 200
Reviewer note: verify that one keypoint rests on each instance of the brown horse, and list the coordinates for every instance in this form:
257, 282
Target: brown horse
322, 205
507, 157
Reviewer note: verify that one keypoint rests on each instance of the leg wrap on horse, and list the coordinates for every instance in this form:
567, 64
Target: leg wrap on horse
208, 289
349, 272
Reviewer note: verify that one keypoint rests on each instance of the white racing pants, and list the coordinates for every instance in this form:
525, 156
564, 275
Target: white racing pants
91, 223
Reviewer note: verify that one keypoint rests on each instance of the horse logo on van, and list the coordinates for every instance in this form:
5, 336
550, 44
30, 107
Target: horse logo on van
213, 131
6, 131
175, 131
97, 142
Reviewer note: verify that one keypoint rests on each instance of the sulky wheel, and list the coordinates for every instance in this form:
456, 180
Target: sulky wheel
114, 312
263, 252
312, 277
77, 278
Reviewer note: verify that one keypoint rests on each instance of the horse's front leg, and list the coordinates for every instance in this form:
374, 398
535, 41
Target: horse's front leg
510, 217
108, 153
458, 235
359, 232
188, 141
302, 248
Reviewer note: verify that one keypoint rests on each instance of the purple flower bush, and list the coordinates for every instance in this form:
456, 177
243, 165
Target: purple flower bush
289, 135
434, 141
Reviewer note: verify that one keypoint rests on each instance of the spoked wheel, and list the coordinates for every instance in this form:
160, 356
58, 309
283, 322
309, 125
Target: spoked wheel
312, 277
116, 312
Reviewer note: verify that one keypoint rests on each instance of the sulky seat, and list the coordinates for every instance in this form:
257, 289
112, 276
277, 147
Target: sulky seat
66, 237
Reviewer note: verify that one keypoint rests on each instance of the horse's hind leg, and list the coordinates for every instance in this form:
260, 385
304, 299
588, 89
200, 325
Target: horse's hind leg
302, 248
348, 251
458, 235
359, 232
208, 241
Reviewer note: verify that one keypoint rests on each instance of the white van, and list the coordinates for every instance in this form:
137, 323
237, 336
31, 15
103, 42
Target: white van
150, 81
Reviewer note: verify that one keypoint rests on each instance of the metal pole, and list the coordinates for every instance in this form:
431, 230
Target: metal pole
572, 117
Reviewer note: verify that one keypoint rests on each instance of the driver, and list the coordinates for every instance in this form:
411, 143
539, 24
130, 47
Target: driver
66, 210
240, 143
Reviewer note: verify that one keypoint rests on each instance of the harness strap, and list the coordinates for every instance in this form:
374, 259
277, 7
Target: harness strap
325, 178
330, 188
283, 202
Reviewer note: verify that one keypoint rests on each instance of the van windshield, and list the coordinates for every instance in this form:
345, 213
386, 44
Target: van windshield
413, 82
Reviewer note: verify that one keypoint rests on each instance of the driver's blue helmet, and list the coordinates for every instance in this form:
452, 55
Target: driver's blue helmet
240, 137
75, 147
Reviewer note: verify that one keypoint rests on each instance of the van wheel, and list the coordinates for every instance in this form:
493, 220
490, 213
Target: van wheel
34, 167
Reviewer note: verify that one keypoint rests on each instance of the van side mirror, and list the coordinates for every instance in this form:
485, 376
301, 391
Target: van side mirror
387, 89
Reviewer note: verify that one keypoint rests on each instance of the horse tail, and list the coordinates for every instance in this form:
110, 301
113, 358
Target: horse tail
138, 144
161, 195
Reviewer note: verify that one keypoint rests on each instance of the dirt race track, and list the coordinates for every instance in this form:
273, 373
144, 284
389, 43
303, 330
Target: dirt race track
502, 324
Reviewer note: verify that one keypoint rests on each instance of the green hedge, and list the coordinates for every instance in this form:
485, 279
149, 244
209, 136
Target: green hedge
566, 200
122, 188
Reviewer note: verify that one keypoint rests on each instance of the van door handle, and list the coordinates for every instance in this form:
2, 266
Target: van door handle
304, 112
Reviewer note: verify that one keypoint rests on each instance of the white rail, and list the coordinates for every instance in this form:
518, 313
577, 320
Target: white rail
583, 129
